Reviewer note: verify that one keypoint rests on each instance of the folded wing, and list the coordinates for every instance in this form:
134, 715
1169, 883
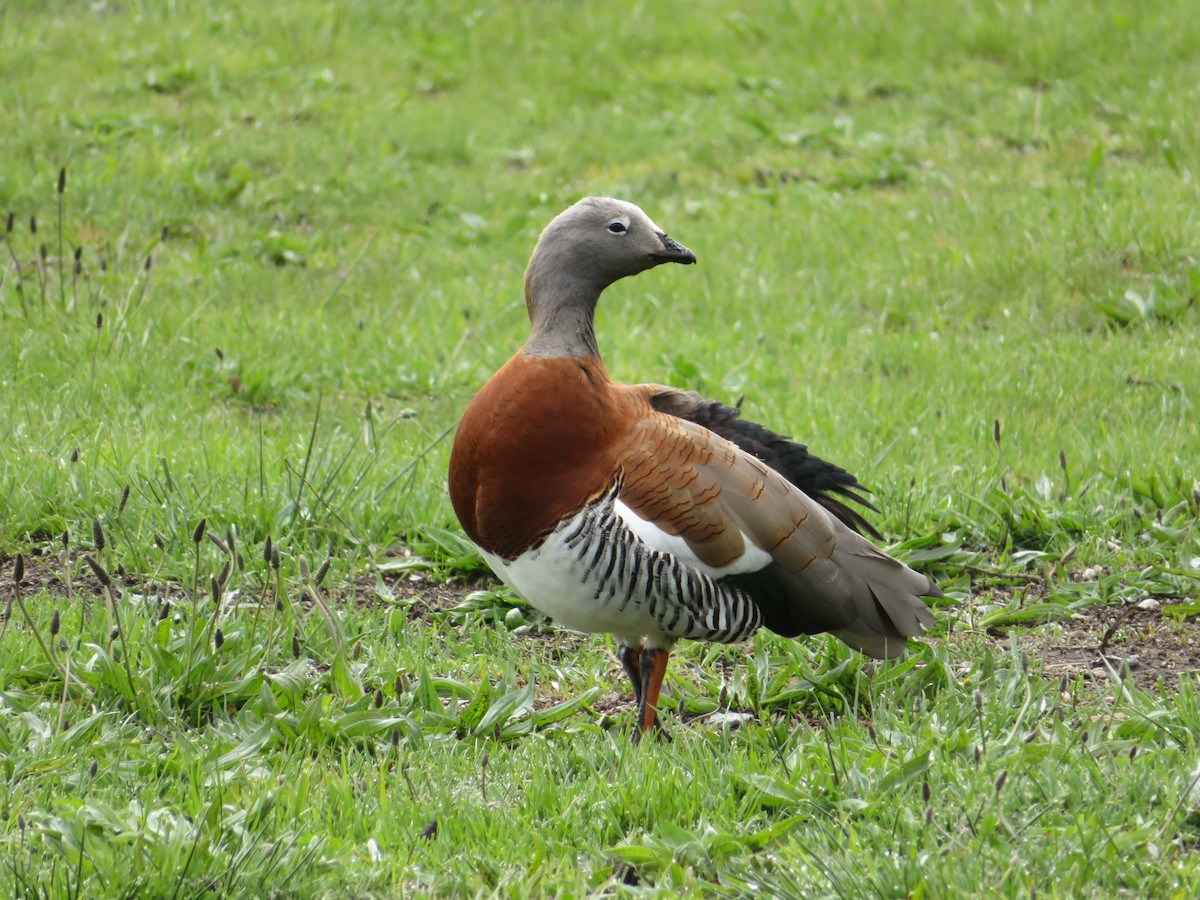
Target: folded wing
700, 496
818, 478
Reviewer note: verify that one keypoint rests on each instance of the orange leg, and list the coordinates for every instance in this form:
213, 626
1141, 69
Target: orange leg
653, 665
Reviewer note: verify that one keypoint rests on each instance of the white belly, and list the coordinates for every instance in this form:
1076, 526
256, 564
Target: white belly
551, 578
594, 573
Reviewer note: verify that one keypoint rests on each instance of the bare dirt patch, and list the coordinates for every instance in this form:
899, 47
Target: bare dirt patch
45, 575
1136, 642
420, 594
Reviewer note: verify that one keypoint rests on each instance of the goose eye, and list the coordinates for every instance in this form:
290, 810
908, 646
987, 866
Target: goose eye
618, 226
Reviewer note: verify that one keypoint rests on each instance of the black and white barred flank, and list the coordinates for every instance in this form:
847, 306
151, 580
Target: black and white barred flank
595, 573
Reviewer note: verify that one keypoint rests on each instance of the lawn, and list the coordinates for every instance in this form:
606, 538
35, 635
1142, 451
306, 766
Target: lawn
258, 257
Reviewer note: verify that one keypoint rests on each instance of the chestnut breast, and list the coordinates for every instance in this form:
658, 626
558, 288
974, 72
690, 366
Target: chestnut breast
535, 445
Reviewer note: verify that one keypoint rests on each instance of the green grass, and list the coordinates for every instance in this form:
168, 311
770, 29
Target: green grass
954, 249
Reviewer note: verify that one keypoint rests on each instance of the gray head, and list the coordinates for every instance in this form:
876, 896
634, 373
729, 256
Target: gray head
597, 241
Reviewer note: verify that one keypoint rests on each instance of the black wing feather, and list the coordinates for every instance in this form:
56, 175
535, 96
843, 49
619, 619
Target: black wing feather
816, 477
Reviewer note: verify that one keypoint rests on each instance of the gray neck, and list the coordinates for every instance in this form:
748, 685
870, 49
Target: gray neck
564, 330
562, 311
